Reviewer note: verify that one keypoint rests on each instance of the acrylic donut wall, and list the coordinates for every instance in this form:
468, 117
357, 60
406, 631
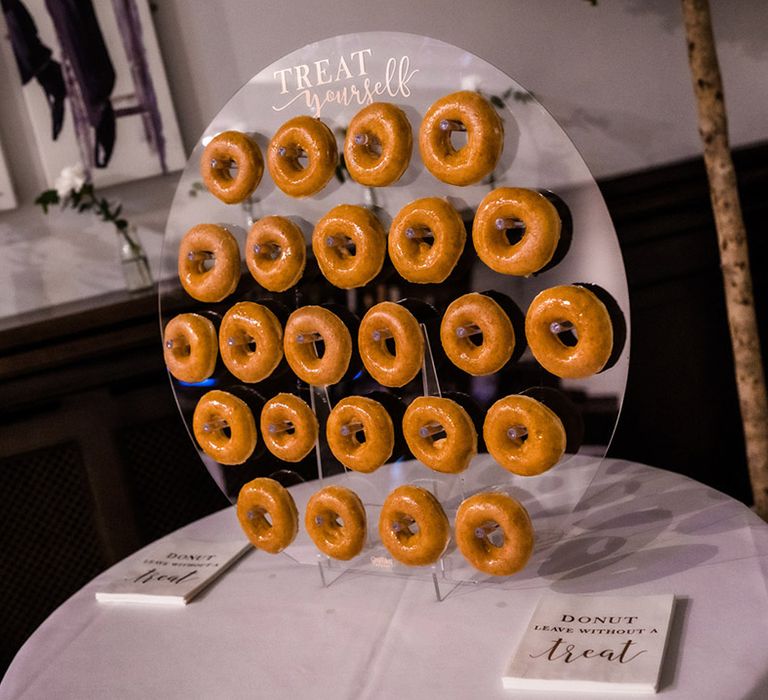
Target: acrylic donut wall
383, 249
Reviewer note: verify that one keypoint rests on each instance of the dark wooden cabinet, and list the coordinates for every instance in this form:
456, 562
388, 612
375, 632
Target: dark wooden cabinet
94, 461
681, 408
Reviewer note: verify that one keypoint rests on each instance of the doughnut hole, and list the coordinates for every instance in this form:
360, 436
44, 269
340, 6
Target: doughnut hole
490, 535
515, 234
284, 438
301, 161
371, 145
404, 527
331, 523
457, 139
180, 347
260, 519
568, 338
519, 440
205, 260
475, 339
389, 345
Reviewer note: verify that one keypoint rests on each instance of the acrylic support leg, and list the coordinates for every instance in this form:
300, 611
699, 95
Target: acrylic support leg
327, 464
431, 384
436, 583
328, 574
321, 407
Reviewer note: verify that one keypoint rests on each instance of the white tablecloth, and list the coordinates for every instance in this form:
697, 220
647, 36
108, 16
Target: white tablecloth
268, 628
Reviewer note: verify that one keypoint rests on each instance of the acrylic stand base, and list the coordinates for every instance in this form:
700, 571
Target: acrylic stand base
451, 570
483, 474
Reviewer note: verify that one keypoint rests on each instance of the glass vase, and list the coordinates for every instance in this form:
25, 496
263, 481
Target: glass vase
133, 260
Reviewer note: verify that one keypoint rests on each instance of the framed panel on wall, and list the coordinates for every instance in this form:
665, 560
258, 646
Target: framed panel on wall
7, 197
95, 88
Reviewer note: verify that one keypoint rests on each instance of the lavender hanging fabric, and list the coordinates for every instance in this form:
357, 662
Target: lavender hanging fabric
34, 60
82, 43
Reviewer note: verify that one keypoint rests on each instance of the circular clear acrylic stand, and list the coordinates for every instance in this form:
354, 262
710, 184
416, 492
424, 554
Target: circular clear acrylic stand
333, 79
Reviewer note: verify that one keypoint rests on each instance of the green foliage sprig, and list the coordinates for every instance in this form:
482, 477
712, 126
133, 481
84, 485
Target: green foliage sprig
74, 191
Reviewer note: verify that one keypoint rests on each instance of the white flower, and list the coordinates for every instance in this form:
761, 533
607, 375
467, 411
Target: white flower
470, 82
71, 179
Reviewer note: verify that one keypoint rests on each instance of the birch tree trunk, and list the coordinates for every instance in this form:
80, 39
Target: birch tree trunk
732, 239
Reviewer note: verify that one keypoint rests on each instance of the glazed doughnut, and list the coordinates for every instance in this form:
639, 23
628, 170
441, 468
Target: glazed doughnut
575, 308
523, 435
440, 434
336, 522
307, 326
377, 148
224, 427
384, 321
350, 244
250, 341
202, 281
353, 418
426, 239
461, 111
223, 150
410, 508
190, 348
266, 497
494, 533
276, 253
477, 335
299, 137
288, 427
509, 208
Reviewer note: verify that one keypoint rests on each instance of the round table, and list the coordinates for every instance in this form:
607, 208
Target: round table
268, 627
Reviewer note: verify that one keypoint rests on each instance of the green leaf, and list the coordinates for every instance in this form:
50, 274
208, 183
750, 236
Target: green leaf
46, 199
